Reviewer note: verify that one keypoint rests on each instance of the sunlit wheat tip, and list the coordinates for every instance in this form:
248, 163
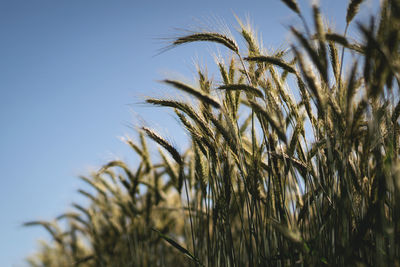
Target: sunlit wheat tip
209, 37
164, 143
352, 10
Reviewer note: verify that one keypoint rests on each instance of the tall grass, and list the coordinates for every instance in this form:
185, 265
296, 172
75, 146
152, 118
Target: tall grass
295, 162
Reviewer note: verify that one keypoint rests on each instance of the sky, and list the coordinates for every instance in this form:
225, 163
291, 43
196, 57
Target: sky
73, 78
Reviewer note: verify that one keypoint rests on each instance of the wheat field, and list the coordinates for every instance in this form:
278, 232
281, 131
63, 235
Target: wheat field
293, 160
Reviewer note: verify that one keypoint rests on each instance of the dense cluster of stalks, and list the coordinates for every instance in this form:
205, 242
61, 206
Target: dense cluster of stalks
294, 160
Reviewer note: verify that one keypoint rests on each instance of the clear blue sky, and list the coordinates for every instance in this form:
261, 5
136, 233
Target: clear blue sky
73, 75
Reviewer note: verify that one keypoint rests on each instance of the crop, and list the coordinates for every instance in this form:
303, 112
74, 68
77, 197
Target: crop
294, 160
